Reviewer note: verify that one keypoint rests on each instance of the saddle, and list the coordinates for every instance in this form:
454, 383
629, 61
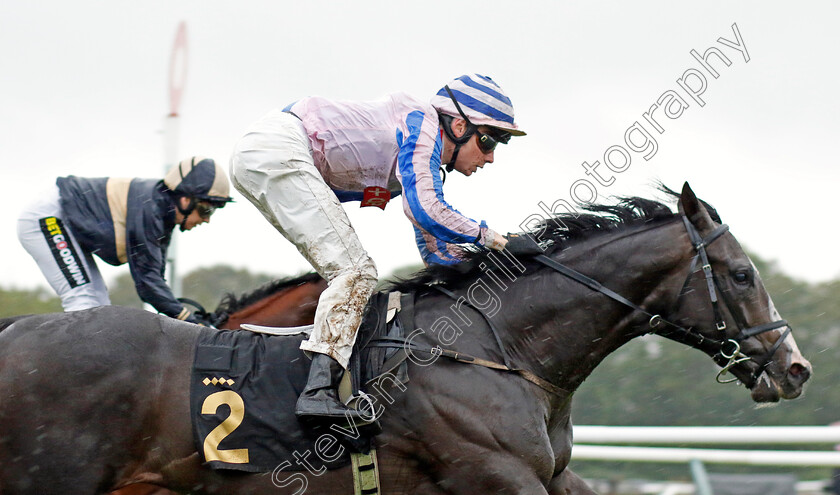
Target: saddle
245, 384
368, 361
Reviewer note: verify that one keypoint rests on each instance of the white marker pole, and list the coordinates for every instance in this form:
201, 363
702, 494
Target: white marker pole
171, 134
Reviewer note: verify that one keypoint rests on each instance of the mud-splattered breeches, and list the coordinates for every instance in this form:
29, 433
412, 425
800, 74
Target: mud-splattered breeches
272, 167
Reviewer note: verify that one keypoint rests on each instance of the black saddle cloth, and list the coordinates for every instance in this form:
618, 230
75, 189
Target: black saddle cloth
243, 393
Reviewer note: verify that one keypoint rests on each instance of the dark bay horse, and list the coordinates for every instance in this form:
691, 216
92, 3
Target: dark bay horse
94, 400
288, 302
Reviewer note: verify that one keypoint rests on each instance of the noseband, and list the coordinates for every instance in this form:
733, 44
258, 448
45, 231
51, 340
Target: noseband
729, 350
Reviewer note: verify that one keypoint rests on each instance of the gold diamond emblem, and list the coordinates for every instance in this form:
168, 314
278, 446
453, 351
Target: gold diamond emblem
216, 381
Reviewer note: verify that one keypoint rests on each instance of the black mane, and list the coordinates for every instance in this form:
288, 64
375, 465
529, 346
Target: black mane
562, 231
231, 303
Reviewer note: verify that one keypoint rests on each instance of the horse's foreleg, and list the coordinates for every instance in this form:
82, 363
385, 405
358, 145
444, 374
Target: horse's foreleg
568, 483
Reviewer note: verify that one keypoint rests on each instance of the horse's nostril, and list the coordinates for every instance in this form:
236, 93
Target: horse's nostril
799, 372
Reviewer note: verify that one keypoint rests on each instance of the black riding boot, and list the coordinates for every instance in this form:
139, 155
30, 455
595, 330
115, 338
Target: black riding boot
319, 399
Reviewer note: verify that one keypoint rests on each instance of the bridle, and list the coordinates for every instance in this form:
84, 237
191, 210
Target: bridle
728, 349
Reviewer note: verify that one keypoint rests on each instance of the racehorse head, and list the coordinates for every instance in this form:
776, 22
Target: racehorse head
725, 303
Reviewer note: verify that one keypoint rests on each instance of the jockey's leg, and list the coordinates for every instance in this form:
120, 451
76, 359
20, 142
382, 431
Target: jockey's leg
69, 269
337, 321
273, 167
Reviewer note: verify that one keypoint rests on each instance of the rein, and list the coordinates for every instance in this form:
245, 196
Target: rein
728, 349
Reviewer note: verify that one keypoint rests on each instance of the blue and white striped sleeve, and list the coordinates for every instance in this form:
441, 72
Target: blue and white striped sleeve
419, 169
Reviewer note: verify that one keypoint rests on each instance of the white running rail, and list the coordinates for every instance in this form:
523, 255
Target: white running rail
775, 435
714, 456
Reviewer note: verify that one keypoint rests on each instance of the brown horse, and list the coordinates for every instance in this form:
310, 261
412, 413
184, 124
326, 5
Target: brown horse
283, 303
82, 411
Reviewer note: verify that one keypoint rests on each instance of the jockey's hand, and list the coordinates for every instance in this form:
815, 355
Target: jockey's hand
493, 240
523, 245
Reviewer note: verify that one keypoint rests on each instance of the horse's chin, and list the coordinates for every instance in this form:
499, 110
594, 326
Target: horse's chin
768, 389
764, 395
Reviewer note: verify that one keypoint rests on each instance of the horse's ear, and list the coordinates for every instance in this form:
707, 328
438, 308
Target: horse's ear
691, 207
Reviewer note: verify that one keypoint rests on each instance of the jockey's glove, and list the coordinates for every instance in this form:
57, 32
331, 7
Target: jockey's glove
523, 245
492, 240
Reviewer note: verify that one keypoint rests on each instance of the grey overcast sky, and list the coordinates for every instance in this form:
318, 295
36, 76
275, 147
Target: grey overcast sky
84, 91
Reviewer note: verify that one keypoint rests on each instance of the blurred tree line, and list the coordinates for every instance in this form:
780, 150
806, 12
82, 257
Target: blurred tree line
205, 285
650, 381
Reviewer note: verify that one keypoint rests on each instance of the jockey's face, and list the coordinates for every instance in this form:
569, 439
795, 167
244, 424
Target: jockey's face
470, 156
193, 219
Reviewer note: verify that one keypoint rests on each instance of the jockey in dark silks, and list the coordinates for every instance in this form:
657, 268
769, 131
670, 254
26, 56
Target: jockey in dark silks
297, 164
120, 221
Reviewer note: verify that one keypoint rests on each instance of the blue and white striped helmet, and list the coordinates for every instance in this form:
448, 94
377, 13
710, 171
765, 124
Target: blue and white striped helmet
481, 99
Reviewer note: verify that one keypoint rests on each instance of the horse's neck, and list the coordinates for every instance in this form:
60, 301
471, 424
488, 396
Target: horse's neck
291, 306
563, 329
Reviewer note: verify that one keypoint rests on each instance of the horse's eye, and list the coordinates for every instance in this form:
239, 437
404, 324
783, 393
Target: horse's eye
742, 276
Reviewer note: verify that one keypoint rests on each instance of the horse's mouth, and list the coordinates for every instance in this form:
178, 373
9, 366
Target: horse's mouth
768, 388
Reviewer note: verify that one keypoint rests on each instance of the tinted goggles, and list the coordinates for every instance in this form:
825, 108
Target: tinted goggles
205, 210
487, 141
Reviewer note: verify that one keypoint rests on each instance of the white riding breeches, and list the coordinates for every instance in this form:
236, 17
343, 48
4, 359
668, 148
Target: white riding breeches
272, 166
70, 271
